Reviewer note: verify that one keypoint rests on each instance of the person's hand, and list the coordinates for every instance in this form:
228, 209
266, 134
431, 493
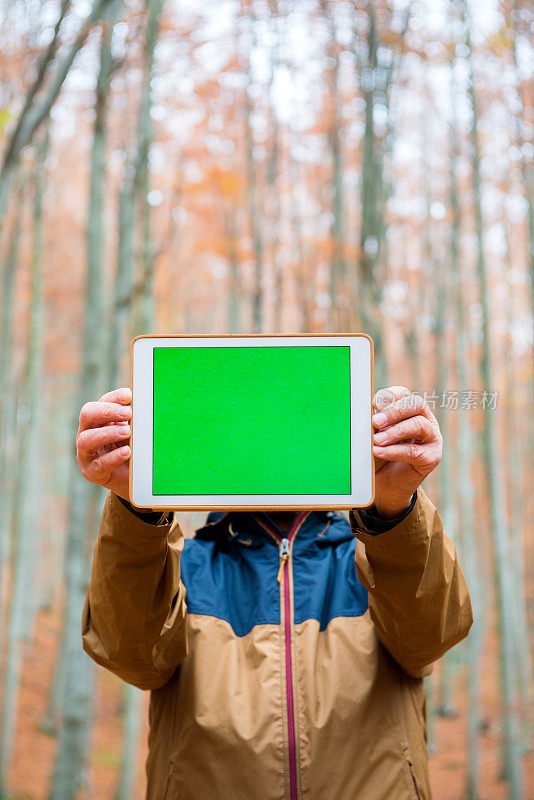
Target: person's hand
102, 450
407, 447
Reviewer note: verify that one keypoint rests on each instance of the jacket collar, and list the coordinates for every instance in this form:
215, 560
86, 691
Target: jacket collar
243, 528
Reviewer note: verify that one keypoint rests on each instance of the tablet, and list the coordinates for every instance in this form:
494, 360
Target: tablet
250, 422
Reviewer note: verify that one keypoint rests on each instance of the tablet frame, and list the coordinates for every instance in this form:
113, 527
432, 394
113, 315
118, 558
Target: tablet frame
273, 506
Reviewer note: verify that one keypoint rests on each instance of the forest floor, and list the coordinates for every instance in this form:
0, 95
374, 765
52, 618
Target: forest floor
34, 749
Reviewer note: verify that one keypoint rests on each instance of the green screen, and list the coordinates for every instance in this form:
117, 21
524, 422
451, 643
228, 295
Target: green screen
251, 420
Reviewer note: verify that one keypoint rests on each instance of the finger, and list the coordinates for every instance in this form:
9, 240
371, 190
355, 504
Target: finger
94, 415
408, 406
101, 468
388, 395
89, 441
418, 428
421, 456
123, 396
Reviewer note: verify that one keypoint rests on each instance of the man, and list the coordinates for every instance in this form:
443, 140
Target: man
284, 652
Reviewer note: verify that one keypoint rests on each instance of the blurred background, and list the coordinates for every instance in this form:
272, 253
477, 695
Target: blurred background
264, 166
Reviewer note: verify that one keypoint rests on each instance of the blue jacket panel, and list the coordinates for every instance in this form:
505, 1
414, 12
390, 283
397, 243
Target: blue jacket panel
230, 571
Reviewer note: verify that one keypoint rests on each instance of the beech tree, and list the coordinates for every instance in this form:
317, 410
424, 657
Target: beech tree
513, 768
28, 477
84, 498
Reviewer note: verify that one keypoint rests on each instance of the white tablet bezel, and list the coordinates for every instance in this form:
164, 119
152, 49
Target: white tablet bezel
362, 466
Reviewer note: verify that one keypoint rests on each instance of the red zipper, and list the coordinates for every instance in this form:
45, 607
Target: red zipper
285, 550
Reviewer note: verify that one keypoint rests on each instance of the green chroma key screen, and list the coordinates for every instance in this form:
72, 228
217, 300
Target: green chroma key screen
251, 420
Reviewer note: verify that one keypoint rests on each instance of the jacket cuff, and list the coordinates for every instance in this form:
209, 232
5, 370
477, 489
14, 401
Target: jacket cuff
404, 538
149, 517
373, 524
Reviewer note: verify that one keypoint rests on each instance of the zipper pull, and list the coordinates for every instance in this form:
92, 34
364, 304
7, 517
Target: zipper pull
284, 555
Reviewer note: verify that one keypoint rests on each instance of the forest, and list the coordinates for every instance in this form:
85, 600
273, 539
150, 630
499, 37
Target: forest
264, 166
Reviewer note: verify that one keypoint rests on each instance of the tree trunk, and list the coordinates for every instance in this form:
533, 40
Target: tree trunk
142, 175
74, 735
27, 492
468, 545
339, 303
32, 506
373, 79
124, 278
273, 169
252, 189
7, 400
305, 292
513, 768
527, 169
524, 678
234, 283
131, 718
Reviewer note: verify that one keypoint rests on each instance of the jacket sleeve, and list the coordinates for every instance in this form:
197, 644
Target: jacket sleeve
418, 597
133, 620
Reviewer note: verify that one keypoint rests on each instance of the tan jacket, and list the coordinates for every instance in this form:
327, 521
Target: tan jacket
282, 667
